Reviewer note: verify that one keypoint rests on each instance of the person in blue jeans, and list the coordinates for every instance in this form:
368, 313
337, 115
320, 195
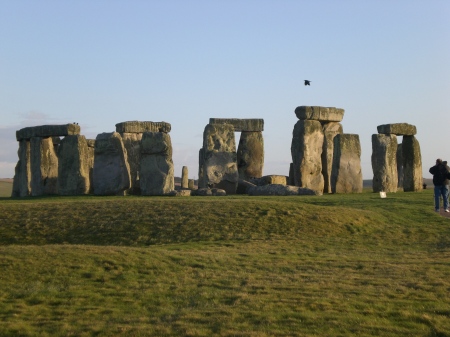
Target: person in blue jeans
441, 174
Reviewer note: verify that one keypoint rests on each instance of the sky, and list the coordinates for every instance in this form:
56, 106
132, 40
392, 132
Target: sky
102, 62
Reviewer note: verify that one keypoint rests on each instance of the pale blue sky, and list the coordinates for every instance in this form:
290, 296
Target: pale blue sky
99, 63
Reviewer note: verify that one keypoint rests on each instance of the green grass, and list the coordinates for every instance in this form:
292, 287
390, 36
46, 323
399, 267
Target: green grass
334, 265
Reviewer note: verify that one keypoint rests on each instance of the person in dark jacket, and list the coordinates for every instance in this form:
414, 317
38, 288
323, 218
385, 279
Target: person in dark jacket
441, 175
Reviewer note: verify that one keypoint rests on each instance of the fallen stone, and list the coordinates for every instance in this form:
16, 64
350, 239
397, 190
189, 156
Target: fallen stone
111, 172
398, 129
319, 113
346, 174
241, 124
281, 190
243, 186
141, 127
209, 192
45, 131
270, 180
384, 163
250, 155
179, 193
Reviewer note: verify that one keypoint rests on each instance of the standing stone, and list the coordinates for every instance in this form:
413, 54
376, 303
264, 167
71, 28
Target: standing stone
400, 165
185, 177
291, 181
132, 143
330, 130
384, 163
111, 170
219, 167
250, 155
201, 163
22, 176
191, 184
73, 166
90, 152
157, 172
44, 166
346, 175
306, 150
412, 165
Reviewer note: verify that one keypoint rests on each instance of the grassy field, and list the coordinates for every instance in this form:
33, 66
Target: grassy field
334, 265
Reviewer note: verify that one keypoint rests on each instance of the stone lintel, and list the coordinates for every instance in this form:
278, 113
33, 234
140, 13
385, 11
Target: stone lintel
320, 113
140, 127
241, 124
45, 131
398, 129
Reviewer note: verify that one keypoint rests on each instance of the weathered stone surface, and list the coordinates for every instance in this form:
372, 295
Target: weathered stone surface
157, 171
141, 127
73, 166
243, 186
219, 167
185, 177
330, 130
241, 124
270, 180
209, 192
250, 155
90, 142
91, 153
179, 193
412, 165
291, 180
400, 166
22, 176
111, 173
384, 163
306, 150
398, 129
346, 174
45, 131
281, 190
319, 113
132, 144
191, 184
44, 167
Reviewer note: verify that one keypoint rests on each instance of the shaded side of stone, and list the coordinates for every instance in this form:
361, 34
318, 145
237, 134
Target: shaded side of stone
111, 172
22, 175
140, 127
73, 166
330, 130
346, 175
400, 165
157, 170
250, 155
412, 165
45, 131
44, 167
132, 144
291, 175
306, 151
384, 163
319, 113
240, 125
398, 129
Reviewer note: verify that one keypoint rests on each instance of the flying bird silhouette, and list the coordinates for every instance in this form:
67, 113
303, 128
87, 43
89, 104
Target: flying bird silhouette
307, 82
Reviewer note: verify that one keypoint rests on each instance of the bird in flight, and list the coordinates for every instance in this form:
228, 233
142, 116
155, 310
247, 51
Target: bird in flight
307, 82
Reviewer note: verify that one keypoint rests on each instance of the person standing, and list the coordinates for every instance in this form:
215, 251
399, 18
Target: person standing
440, 174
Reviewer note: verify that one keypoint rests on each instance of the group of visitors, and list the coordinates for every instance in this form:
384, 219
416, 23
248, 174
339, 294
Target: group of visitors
441, 176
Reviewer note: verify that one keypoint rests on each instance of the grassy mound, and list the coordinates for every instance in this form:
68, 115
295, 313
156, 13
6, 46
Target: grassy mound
335, 265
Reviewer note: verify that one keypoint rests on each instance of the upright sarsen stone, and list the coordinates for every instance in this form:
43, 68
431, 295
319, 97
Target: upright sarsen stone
44, 166
384, 163
218, 169
132, 144
185, 177
73, 166
306, 150
400, 165
22, 176
330, 130
250, 155
111, 170
157, 171
346, 175
412, 165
